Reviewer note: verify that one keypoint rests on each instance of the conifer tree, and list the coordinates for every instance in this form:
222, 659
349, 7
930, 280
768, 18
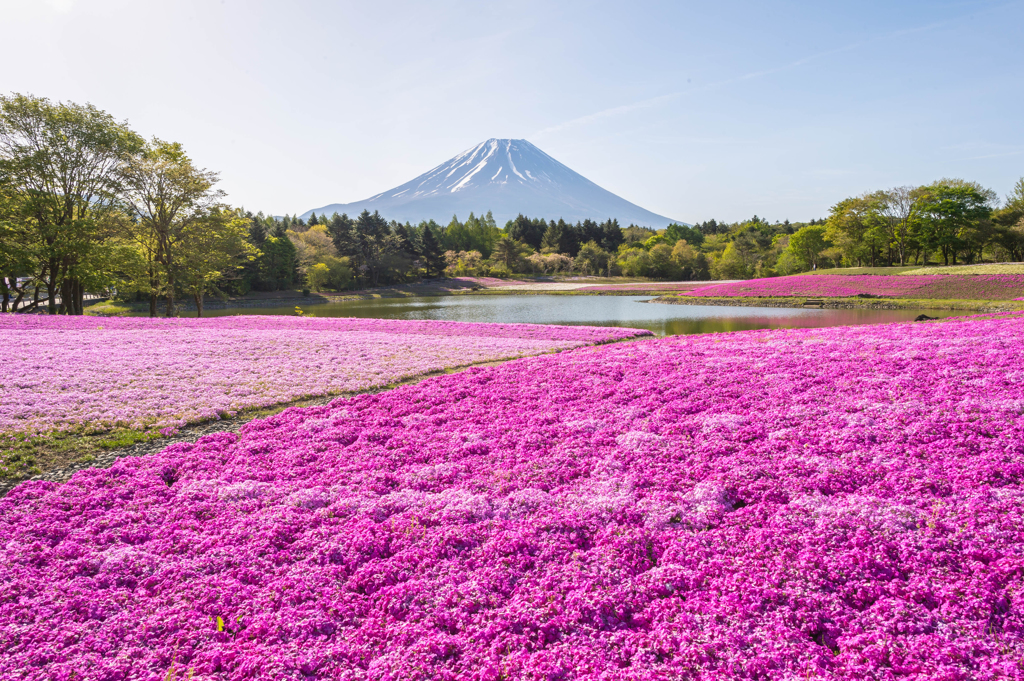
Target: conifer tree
403, 240
432, 255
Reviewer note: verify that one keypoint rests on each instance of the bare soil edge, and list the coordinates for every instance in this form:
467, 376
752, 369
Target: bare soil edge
194, 431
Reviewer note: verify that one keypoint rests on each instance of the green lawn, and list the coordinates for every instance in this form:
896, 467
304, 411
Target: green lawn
865, 270
990, 268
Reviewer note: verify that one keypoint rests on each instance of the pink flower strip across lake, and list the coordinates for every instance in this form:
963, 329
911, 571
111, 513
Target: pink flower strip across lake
926, 286
66, 372
840, 503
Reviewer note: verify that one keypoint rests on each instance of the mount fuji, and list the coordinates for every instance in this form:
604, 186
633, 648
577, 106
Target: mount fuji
504, 176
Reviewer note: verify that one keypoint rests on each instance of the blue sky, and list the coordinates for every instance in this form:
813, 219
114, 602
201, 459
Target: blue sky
693, 110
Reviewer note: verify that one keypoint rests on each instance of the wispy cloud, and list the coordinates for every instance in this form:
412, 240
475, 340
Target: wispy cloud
608, 113
997, 155
662, 99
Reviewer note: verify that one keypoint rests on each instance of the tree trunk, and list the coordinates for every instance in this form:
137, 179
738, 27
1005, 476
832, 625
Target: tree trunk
199, 303
153, 287
169, 267
65, 297
51, 298
79, 297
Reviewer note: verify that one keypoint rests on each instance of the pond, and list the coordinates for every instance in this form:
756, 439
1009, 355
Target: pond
630, 311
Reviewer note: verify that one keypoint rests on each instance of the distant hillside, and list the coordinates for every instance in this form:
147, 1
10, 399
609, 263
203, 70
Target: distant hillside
504, 176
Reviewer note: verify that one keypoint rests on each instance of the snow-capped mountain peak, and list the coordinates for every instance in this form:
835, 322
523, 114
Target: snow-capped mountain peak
507, 177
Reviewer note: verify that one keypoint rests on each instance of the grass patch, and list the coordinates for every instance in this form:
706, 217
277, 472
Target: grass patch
991, 268
108, 308
22, 456
866, 270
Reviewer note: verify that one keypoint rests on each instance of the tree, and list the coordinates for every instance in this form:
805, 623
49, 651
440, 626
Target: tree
276, 264
341, 229
807, 244
592, 259
403, 239
1009, 222
171, 200
692, 236
611, 235
510, 252
433, 256
374, 243
952, 209
317, 275
634, 262
731, 264
17, 250
692, 264
313, 220
213, 253
64, 163
898, 209
527, 231
552, 240
853, 228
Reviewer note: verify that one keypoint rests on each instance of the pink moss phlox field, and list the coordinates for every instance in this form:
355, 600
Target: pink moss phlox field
931, 286
840, 503
157, 373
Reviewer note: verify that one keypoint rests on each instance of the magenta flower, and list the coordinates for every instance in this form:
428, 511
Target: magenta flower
840, 503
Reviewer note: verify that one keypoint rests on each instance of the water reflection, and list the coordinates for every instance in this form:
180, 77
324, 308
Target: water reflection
664, 320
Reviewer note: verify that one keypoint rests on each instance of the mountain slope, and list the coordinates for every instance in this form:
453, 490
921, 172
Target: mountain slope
504, 176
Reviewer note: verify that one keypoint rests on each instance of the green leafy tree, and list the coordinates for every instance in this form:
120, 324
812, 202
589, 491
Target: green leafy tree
731, 264
171, 201
953, 209
592, 259
899, 210
1009, 223
317, 276
634, 262
807, 245
692, 264
214, 253
690, 235
64, 163
662, 264
853, 228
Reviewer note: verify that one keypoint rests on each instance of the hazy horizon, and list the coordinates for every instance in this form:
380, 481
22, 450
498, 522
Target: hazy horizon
690, 111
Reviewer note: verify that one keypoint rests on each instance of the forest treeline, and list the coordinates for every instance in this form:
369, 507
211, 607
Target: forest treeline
89, 206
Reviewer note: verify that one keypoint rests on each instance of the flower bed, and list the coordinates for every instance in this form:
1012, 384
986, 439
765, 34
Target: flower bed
925, 286
792, 504
153, 373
